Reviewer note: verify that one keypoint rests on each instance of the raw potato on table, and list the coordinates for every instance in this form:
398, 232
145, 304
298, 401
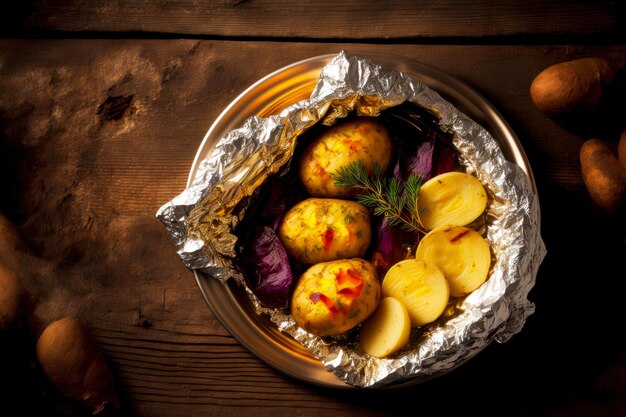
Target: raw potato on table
571, 85
603, 174
13, 300
621, 151
71, 359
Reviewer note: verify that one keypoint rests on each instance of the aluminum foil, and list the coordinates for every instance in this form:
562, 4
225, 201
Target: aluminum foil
202, 219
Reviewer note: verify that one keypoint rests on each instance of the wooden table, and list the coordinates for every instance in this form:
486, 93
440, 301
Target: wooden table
102, 108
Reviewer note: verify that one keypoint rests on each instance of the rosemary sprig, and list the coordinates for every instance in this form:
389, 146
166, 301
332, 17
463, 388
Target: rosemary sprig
389, 197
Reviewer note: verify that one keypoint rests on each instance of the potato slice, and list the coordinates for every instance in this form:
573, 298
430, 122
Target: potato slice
387, 330
420, 286
461, 253
453, 198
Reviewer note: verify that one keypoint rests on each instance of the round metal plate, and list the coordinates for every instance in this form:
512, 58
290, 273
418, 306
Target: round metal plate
269, 96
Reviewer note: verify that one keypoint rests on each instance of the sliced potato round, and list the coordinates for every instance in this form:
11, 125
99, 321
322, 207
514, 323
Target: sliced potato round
420, 286
387, 330
462, 255
453, 198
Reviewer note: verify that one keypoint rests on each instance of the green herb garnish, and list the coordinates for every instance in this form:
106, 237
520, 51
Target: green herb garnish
389, 197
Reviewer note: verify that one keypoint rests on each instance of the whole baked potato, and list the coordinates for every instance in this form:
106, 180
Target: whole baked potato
331, 298
362, 139
324, 229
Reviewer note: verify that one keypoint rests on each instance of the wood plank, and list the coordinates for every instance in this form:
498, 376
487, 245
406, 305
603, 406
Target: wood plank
83, 176
351, 19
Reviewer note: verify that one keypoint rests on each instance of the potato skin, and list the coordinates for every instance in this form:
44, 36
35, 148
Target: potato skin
362, 138
13, 300
570, 85
621, 151
324, 229
71, 359
603, 175
331, 298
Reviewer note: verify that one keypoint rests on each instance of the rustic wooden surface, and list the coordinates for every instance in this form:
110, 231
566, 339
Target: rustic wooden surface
96, 134
351, 19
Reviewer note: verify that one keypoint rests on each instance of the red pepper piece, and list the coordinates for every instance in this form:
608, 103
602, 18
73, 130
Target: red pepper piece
328, 237
353, 145
459, 236
349, 283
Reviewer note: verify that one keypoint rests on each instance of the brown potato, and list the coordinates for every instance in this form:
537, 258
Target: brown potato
621, 151
71, 359
331, 298
8, 244
603, 175
13, 300
570, 85
362, 139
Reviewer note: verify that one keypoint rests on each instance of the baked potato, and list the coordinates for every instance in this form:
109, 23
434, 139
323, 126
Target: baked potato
331, 298
362, 139
324, 229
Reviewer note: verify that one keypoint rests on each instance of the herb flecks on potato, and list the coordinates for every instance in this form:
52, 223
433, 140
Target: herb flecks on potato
363, 139
331, 298
324, 229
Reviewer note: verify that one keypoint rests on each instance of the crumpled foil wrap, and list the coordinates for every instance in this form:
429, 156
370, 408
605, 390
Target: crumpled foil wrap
202, 219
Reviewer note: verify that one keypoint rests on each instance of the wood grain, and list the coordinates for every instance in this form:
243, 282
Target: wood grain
96, 134
370, 20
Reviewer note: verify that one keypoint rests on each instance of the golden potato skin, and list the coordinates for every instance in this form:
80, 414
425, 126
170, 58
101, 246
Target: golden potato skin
359, 139
331, 298
324, 229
